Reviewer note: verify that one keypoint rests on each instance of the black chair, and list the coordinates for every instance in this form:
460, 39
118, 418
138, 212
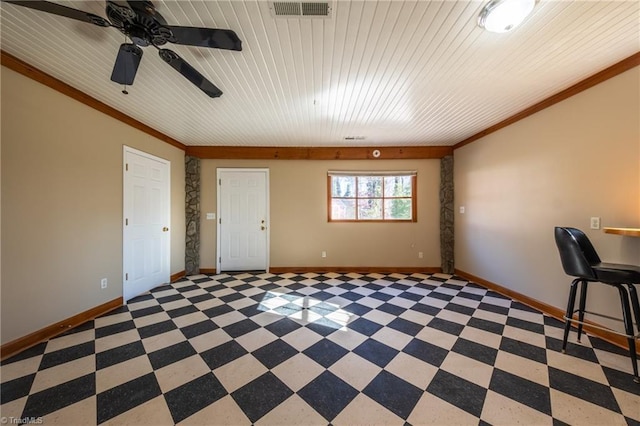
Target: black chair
580, 260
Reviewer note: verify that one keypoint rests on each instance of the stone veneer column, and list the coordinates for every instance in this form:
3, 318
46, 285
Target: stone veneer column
192, 215
446, 214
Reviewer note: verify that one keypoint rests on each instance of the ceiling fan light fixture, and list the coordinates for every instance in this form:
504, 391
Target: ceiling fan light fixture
501, 16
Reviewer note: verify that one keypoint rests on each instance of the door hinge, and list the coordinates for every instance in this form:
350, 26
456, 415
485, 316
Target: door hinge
220, 221
220, 259
126, 222
219, 181
126, 277
126, 167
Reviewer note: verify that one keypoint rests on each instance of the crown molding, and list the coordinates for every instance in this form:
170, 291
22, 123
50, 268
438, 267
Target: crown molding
319, 153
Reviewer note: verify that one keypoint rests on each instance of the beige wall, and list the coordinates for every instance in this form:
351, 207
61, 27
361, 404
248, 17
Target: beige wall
62, 205
577, 159
299, 227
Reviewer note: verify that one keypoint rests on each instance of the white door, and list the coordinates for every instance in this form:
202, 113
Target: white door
243, 219
146, 236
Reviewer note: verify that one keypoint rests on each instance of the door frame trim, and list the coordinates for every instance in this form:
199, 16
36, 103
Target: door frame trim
125, 150
220, 170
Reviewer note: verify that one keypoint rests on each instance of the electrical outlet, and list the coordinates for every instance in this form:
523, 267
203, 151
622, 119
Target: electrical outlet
462, 209
595, 223
211, 216
420, 255
103, 283
323, 254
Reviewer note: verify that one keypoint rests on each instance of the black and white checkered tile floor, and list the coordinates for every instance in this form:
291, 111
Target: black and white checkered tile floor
318, 349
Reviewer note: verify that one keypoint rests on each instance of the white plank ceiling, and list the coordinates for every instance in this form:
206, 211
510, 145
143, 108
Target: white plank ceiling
398, 73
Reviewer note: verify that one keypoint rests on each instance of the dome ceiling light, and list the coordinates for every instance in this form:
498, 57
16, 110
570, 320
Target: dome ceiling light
501, 16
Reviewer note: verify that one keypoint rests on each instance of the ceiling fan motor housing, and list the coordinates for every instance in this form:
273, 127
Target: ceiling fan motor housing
139, 21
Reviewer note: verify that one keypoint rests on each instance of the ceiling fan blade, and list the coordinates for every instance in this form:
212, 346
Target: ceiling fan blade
189, 72
205, 37
58, 9
126, 66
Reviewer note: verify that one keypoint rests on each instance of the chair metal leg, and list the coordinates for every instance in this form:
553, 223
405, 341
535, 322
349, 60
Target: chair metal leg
583, 306
570, 305
628, 327
635, 305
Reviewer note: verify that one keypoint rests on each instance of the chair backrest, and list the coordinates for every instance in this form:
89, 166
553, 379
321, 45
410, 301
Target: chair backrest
576, 252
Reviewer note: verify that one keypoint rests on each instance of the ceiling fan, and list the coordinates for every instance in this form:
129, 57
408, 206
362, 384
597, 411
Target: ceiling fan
144, 26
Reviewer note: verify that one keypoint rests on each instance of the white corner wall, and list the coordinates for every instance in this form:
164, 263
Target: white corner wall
559, 167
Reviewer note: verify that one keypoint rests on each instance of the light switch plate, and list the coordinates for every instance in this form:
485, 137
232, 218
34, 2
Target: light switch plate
211, 216
462, 209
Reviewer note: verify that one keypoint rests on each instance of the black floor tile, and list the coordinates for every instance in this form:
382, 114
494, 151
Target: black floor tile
185, 310
328, 395
476, 351
120, 354
29, 353
364, 326
458, 392
283, 327
223, 354
376, 352
193, 396
391, 309
62, 356
525, 325
446, 326
381, 296
490, 326
325, 352
52, 399
522, 390
146, 311
438, 295
274, 353
170, 298
240, 328
493, 308
357, 309
524, 350
200, 298
393, 393
411, 296
461, 309
621, 380
157, 328
217, 311
406, 326
231, 297
198, 328
262, 395
425, 309
582, 388
16, 388
426, 352
112, 329
324, 326
573, 349
170, 354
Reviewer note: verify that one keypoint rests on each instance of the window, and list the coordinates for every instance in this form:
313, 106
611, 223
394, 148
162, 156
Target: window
372, 196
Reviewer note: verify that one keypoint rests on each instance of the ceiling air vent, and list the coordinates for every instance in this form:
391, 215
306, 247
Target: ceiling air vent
297, 9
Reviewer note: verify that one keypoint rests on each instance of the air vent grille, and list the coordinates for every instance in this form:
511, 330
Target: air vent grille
296, 9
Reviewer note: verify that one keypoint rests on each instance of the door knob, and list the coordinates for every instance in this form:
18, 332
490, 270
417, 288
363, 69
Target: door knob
263, 228
165, 229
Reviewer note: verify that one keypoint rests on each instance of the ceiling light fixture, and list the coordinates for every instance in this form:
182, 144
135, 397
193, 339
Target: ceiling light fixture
500, 16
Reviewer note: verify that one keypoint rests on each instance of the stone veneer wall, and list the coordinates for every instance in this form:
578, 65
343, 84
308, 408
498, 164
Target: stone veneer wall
192, 215
446, 214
